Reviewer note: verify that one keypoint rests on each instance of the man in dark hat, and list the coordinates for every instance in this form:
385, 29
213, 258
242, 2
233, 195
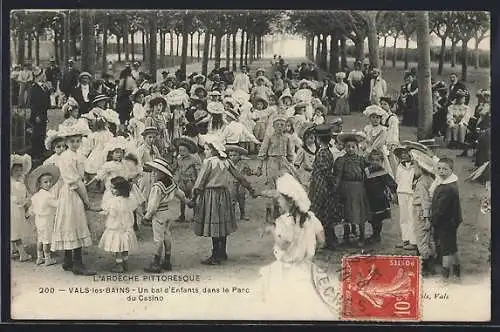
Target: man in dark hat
454, 87
39, 104
69, 78
53, 74
136, 70
84, 93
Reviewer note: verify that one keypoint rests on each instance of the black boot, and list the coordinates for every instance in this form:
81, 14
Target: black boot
68, 260
346, 241
330, 237
78, 268
222, 248
167, 263
214, 259
375, 237
154, 267
445, 272
456, 270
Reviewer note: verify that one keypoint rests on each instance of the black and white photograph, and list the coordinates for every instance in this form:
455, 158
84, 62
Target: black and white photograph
253, 165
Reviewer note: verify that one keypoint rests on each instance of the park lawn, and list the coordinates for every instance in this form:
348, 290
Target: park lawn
248, 252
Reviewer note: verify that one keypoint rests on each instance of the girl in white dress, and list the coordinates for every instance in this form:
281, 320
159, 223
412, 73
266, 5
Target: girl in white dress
71, 230
19, 203
97, 140
297, 233
119, 236
43, 208
55, 143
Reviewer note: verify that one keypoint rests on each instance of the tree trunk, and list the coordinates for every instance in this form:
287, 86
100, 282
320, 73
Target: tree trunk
465, 59
118, 48
242, 47
198, 48
88, 41
177, 46
453, 53
476, 54
30, 45
162, 49
334, 52
441, 56
37, 48
252, 49
373, 39
318, 49
56, 48
384, 55
143, 45
171, 43
104, 46
206, 47
247, 41
360, 49
234, 51
125, 42
394, 52
68, 41
324, 52
406, 51
424, 77
211, 47
152, 46
259, 47
228, 51
218, 47
191, 46
132, 45
185, 37
343, 53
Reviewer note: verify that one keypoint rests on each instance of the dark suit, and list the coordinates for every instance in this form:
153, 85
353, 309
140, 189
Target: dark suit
452, 92
327, 96
286, 73
78, 95
53, 75
39, 103
69, 80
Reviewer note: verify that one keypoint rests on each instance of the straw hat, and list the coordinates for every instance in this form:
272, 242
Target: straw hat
340, 74
238, 149
260, 70
262, 99
304, 81
423, 160
150, 130
83, 74
286, 94
215, 107
177, 97
160, 165
240, 96
99, 98
399, 150
288, 186
24, 160
416, 146
52, 135
215, 141
77, 129
34, 176
374, 109
118, 142
323, 130
201, 116
111, 116
187, 142
354, 135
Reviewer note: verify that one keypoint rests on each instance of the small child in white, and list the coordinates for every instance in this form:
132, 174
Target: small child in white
119, 236
43, 207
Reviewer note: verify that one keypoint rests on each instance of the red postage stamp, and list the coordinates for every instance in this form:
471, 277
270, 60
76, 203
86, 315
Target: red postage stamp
381, 288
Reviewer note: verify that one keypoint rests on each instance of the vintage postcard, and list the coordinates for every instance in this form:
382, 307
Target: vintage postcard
250, 165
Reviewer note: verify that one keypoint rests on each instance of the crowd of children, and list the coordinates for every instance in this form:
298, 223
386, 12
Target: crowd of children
191, 144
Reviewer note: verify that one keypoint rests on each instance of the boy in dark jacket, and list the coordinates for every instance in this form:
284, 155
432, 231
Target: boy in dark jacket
446, 216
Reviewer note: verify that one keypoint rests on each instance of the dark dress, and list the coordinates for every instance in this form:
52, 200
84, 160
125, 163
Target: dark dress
409, 105
379, 185
39, 104
324, 201
446, 217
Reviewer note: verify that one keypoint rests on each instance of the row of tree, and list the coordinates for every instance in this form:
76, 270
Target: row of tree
95, 27
357, 26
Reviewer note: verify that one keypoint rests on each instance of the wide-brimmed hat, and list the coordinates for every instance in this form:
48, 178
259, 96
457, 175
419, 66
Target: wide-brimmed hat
99, 98
150, 130
78, 129
335, 120
187, 142
240, 96
34, 176
323, 130
411, 145
286, 94
374, 109
201, 116
354, 135
307, 82
160, 165
423, 160
24, 160
231, 101
321, 107
288, 186
217, 144
260, 70
398, 150
83, 74
118, 142
340, 74
37, 71
237, 148
262, 99
111, 116
52, 135
195, 77
232, 114
215, 107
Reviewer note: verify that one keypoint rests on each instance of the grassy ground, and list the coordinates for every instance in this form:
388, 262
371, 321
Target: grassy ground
247, 251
